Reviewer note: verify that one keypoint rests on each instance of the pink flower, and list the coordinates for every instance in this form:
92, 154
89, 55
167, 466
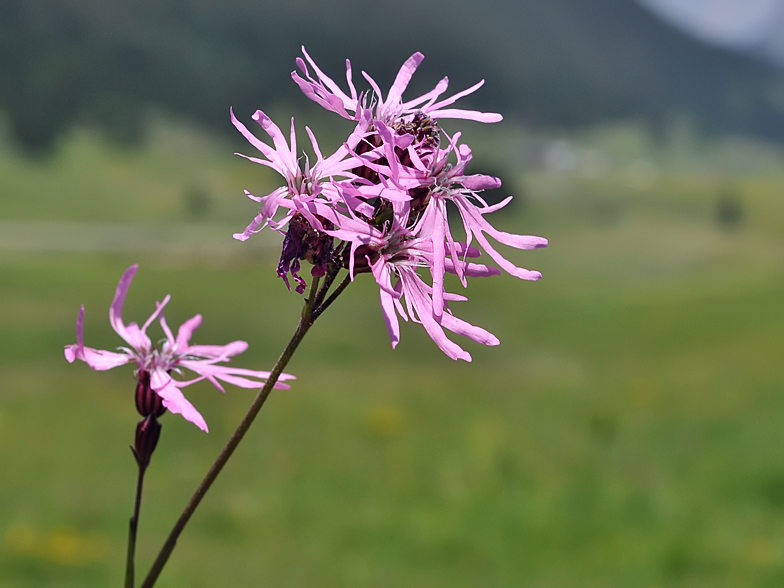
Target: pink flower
303, 186
395, 252
380, 203
325, 92
429, 174
154, 365
448, 182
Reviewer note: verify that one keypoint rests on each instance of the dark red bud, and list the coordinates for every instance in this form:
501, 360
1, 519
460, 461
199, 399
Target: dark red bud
148, 430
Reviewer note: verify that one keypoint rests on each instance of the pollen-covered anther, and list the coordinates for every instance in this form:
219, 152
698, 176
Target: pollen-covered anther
427, 136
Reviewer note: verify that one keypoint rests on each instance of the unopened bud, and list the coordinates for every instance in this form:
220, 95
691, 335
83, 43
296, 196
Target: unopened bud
148, 430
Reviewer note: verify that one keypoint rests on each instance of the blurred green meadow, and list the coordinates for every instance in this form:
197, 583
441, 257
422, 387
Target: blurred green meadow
628, 432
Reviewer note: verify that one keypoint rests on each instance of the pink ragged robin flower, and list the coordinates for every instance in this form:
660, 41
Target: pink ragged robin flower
449, 182
431, 180
394, 255
325, 92
303, 186
157, 390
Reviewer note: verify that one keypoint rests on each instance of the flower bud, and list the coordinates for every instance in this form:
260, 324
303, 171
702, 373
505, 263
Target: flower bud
148, 430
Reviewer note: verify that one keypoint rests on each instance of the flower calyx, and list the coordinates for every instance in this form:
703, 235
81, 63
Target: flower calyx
147, 400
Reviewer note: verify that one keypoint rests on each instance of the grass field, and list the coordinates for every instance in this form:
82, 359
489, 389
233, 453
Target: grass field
628, 432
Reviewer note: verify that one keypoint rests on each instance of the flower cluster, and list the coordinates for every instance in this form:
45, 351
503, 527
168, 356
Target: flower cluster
156, 389
379, 203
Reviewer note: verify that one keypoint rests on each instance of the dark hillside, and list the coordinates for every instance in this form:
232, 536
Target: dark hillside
559, 62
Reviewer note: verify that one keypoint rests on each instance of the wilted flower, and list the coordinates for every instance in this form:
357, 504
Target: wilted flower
156, 389
303, 242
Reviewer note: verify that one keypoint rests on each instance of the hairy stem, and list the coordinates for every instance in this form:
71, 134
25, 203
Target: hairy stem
306, 321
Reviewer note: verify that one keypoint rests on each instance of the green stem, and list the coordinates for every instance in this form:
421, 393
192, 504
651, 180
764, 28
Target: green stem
129, 564
306, 321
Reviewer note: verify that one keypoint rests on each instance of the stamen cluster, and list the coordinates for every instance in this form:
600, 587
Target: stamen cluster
379, 203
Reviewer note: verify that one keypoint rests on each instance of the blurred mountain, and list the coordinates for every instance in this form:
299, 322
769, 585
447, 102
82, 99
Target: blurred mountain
559, 63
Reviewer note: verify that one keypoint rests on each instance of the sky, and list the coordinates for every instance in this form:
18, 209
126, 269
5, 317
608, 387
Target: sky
755, 26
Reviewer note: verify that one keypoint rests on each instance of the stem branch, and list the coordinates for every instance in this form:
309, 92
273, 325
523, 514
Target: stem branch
306, 321
322, 307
